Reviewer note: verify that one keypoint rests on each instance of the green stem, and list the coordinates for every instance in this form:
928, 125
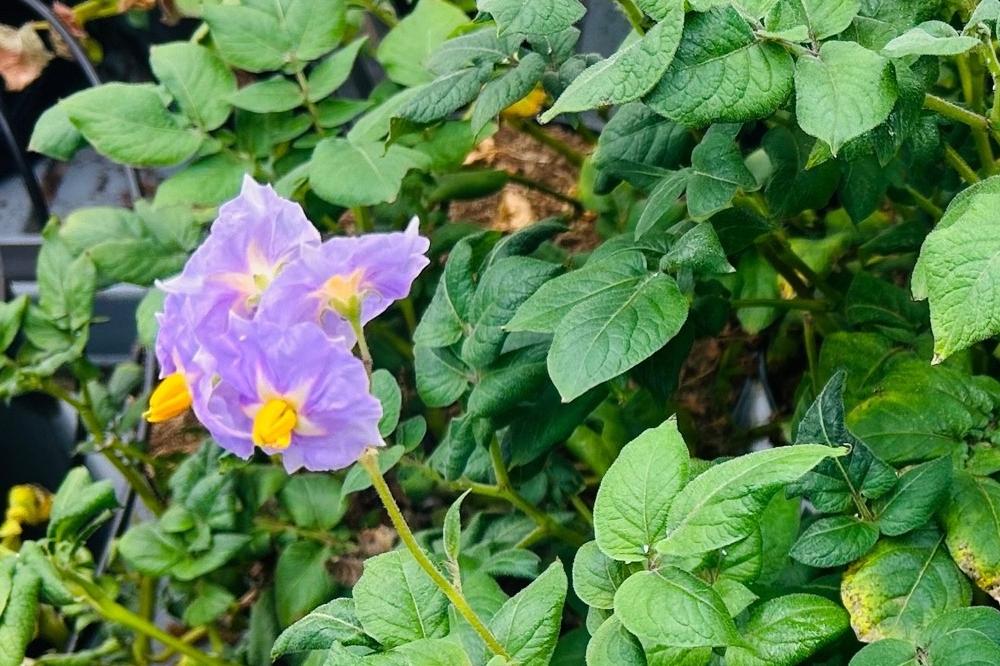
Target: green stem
925, 204
300, 78
809, 339
955, 112
505, 490
572, 156
107, 445
147, 604
545, 189
958, 163
278, 527
582, 509
807, 304
993, 65
633, 14
362, 219
369, 461
859, 501
112, 611
363, 350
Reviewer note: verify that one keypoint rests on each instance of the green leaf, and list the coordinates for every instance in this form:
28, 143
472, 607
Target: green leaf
78, 501
699, 251
209, 604
758, 279
357, 479
333, 71
222, 549
17, 624
629, 73
397, 602
54, 135
127, 246
832, 484
452, 528
385, 388
313, 27
197, 79
735, 595
964, 647
955, 271
505, 285
11, 315
301, 581
248, 38
717, 172
268, 96
532, 17
613, 644
661, 200
128, 123
431, 652
337, 112
208, 182
614, 275
637, 141
500, 93
596, 577
515, 378
898, 588
822, 18
151, 550
444, 95
313, 500
887, 652
672, 607
722, 73
606, 335
777, 636
441, 376
360, 174
527, 624
834, 540
634, 498
53, 590
916, 498
935, 38
474, 47
333, 622
971, 519
404, 52
721, 505
843, 92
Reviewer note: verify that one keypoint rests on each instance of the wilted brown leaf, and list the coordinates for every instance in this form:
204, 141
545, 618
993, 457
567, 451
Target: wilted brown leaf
23, 56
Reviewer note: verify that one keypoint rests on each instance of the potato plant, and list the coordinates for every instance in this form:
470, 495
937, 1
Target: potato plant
802, 189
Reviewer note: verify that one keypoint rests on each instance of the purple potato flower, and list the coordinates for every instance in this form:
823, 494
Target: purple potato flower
346, 278
291, 390
255, 237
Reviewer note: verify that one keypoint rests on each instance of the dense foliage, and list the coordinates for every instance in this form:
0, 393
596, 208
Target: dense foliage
806, 183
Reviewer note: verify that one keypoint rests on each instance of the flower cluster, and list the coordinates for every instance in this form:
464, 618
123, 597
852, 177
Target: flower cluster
257, 332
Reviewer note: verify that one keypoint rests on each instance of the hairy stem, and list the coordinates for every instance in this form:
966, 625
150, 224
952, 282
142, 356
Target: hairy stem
112, 611
958, 163
369, 461
955, 112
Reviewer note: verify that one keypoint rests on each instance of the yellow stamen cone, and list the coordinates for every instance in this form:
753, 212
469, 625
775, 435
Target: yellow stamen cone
274, 423
171, 398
